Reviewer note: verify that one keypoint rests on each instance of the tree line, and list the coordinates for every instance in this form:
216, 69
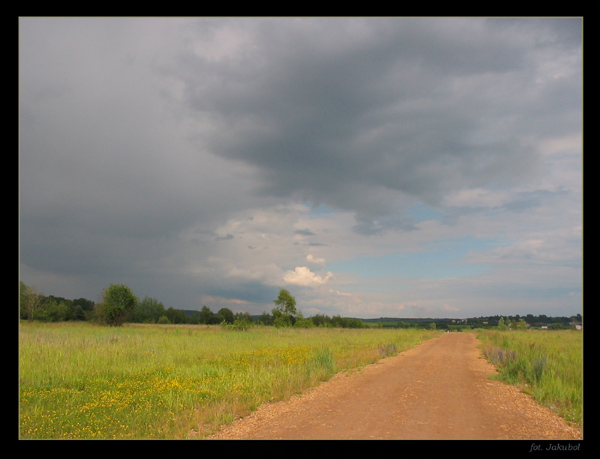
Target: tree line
33, 304
118, 305
516, 322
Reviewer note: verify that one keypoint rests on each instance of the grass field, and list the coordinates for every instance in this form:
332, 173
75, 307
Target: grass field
546, 364
83, 381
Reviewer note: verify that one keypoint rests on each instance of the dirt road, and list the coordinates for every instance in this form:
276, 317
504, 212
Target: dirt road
437, 390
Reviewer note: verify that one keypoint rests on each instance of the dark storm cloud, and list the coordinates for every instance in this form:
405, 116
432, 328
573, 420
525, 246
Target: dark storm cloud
107, 176
344, 111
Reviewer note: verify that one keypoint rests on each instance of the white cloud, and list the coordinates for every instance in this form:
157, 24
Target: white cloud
319, 261
305, 277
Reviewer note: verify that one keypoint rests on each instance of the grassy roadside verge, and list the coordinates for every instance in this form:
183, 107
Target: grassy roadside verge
545, 364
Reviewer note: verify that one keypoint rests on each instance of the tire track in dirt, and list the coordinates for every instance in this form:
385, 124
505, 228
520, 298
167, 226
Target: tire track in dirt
437, 390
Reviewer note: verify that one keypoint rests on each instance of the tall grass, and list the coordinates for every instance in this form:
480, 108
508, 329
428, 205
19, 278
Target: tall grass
87, 381
546, 364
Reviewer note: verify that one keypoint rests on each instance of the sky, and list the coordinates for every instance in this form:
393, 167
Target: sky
373, 167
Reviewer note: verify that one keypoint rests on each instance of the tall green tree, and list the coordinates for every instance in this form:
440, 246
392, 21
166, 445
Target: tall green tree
286, 303
117, 305
284, 314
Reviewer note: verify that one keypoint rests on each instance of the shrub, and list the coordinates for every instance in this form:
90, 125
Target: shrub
240, 324
388, 349
283, 320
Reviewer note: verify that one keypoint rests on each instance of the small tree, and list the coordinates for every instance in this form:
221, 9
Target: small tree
502, 325
302, 322
225, 315
117, 305
176, 316
265, 319
163, 320
148, 310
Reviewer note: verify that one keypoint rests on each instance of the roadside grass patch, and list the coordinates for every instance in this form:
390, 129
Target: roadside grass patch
546, 364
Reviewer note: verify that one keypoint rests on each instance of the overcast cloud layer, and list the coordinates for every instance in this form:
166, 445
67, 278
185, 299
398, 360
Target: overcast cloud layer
397, 167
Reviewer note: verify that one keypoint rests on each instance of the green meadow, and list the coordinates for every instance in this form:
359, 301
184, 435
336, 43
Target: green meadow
83, 381
547, 364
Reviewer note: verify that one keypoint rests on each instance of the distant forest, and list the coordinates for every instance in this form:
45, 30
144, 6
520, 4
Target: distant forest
514, 322
149, 310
